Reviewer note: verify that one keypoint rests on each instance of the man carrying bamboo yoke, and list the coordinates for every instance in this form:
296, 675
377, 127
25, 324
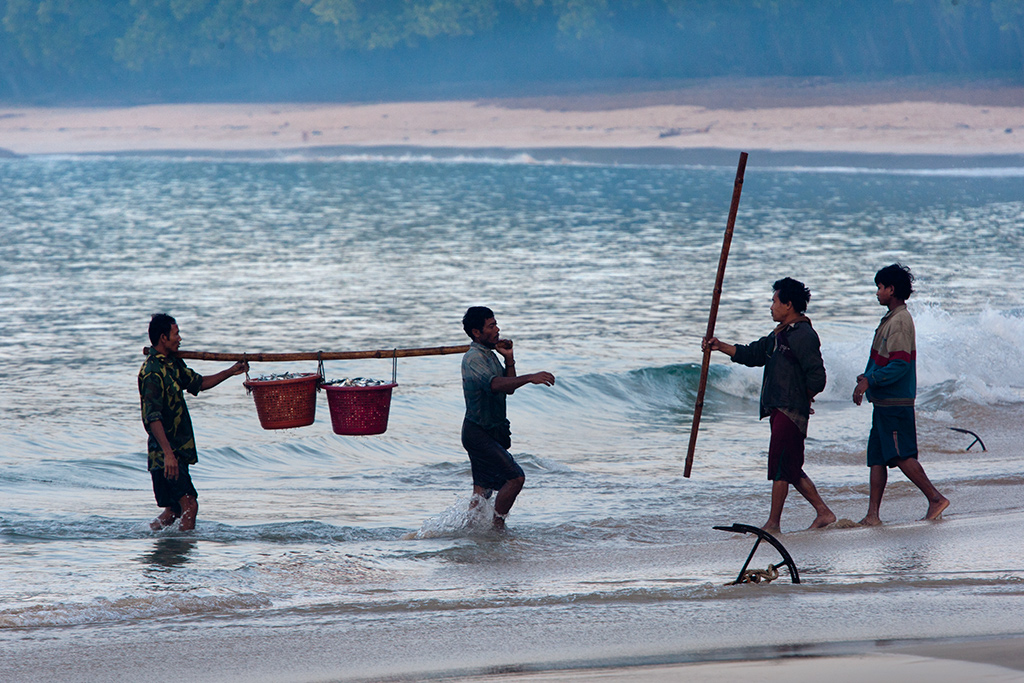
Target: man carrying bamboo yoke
486, 432
793, 374
163, 380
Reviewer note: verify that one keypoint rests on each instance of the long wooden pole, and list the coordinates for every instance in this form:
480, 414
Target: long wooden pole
320, 355
716, 296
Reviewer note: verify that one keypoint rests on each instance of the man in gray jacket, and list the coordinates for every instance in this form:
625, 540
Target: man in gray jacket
793, 374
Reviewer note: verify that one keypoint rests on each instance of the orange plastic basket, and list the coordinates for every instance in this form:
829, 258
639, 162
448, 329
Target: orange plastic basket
285, 403
359, 410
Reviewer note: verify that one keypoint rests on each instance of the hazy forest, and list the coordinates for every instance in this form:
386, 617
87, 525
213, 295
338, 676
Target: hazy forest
93, 51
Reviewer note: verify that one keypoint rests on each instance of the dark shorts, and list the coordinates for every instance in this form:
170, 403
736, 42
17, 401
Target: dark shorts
492, 464
893, 435
168, 492
786, 450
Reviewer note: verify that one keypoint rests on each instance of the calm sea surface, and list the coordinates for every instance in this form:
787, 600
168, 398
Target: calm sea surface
327, 557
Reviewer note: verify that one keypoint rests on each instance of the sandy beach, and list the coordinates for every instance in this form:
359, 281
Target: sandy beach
778, 116
983, 659
854, 669
960, 662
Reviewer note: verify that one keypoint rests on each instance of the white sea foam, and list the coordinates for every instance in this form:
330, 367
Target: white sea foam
974, 356
467, 516
326, 156
101, 610
979, 353
960, 172
512, 157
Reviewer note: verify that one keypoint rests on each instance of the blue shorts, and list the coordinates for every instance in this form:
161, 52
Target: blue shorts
893, 435
490, 460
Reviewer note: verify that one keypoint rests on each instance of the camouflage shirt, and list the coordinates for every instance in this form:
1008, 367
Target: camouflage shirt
162, 381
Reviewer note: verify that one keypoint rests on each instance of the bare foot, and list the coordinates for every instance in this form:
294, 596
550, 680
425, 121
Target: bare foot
165, 519
871, 520
189, 509
188, 522
935, 509
823, 520
772, 528
499, 522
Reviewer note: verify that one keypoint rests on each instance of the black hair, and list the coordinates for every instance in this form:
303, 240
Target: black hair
159, 325
792, 291
899, 277
475, 318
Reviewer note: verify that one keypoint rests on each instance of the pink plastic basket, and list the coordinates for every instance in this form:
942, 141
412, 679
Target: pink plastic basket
285, 403
359, 410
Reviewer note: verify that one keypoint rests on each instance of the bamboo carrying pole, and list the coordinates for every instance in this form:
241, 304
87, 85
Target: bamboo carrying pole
319, 355
716, 296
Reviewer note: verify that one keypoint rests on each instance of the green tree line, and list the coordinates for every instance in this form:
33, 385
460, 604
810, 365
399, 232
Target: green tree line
49, 47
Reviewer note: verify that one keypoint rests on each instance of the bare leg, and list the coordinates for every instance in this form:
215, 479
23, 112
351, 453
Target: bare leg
915, 473
780, 489
479, 493
189, 509
825, 516
879, 476
505, 499
165, 519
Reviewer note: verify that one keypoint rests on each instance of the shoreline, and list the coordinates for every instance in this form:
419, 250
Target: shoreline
778, 118
993, 658
613, 156
996, 658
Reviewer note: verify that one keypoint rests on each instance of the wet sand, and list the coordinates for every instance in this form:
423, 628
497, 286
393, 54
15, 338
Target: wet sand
810, 116
1000, 660
879, 668
260, 656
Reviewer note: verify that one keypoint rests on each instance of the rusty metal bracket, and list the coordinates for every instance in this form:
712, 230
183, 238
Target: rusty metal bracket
762, 535
977, 439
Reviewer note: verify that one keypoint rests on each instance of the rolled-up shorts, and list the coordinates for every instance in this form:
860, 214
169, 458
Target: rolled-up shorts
893, 435
168, 492
786, 449
490, 460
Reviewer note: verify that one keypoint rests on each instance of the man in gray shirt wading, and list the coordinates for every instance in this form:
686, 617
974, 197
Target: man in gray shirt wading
486, 433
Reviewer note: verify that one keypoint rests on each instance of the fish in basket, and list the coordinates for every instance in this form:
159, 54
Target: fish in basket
359, 406
285, 401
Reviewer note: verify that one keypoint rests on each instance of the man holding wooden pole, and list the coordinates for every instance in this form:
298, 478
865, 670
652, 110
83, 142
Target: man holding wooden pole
486, 432
793, 374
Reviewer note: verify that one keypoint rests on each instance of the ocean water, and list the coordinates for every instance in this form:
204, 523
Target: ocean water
325, 557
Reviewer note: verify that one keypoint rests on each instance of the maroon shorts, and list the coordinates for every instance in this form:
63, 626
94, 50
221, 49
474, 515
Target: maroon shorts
786, 450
